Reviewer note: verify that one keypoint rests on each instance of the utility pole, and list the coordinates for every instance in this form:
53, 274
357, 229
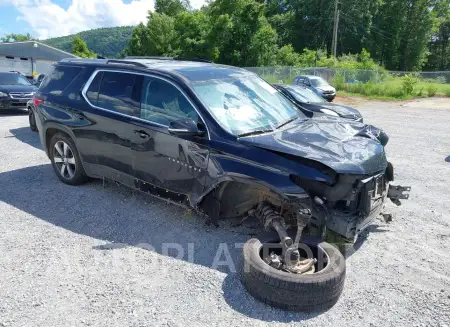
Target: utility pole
335, 29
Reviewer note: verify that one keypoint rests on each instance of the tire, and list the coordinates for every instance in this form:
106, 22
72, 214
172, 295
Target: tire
32, 120
74, 173
288, 291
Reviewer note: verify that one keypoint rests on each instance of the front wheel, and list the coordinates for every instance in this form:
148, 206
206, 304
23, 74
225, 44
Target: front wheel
317, 290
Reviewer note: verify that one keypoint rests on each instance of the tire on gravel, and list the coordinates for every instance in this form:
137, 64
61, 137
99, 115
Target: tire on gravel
32, 121
306, 293
80, 176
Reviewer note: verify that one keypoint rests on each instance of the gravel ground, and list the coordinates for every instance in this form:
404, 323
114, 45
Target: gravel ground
97, 256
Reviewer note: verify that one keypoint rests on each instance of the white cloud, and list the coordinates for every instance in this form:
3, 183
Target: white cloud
48, 19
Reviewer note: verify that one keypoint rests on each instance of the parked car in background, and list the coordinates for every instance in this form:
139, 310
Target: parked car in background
308, 99
15, 91
225, 143
318, 85
39, 80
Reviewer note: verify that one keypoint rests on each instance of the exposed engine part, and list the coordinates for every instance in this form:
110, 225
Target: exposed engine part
397, 193
290, 260
273, 260
305, 266
301, 266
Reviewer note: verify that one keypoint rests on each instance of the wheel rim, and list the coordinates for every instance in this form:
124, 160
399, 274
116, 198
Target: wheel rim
64, 160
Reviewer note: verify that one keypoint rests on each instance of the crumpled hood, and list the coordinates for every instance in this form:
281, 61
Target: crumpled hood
345, 146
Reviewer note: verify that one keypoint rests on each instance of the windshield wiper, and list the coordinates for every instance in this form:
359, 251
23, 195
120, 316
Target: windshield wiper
287, 122
262, 131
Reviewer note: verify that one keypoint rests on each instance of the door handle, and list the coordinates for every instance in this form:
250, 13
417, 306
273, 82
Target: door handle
142, 134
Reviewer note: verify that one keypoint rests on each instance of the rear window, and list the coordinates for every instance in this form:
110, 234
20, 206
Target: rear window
59, 78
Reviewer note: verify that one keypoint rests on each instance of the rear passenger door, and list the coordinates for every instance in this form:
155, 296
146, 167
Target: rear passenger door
105, 144
174, 166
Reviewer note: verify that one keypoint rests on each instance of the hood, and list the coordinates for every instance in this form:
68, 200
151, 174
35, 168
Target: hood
326, 88
346, 147
18, 88
343, 111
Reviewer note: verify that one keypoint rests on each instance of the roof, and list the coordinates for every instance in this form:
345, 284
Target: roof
191, 70
33, 49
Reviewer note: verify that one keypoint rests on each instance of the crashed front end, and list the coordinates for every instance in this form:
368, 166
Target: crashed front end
352, 158
351, 204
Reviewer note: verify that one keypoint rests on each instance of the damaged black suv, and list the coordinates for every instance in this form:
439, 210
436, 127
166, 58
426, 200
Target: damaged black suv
224, 142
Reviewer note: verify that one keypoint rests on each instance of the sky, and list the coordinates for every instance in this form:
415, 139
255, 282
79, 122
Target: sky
50, 18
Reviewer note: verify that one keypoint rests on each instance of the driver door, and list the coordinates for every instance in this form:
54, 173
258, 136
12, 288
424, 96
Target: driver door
174, 166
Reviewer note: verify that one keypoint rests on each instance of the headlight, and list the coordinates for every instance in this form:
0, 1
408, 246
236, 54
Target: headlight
329, 112
3, 94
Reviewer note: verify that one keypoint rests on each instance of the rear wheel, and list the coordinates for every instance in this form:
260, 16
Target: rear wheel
315, 290
32, 120
66, 160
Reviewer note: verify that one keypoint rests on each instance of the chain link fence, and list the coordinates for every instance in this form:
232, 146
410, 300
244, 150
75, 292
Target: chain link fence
287, 74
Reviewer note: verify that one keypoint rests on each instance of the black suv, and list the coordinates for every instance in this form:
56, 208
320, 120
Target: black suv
224, 142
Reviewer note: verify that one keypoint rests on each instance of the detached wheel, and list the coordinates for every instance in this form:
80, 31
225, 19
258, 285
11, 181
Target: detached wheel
316, 290
32, 120
66, 161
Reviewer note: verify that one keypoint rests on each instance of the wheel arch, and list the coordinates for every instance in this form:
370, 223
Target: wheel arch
237, 194
51, 129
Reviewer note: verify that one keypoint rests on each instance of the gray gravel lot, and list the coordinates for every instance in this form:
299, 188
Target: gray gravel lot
94, 256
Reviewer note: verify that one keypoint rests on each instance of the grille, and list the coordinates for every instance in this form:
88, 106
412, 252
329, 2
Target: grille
21, 95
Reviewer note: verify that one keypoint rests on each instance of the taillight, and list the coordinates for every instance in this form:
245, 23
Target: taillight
37, 102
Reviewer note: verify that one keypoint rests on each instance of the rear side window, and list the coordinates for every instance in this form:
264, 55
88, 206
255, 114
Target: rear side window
94, 87
58, 79
116, 93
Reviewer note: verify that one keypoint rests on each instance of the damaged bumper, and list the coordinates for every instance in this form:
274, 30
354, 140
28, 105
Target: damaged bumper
370, 195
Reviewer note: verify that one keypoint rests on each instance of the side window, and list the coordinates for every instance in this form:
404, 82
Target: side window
161, 102
92, 91
58, 79
115, 93
306, 82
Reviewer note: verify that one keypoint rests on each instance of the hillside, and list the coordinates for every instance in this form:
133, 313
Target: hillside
106, 42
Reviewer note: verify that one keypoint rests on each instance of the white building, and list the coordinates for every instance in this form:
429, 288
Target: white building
31, 58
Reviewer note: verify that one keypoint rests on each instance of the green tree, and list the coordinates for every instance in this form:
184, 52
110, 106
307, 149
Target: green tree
160, 38
192, 30
171, 7
18, 37
80, 49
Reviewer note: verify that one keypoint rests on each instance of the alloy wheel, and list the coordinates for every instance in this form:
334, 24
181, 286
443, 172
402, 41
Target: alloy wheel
64, 159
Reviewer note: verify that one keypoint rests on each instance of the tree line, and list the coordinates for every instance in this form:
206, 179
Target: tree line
405, 35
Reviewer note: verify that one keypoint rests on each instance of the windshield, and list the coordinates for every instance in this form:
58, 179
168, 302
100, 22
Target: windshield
13, 79
303, 94
245, 104
318, 81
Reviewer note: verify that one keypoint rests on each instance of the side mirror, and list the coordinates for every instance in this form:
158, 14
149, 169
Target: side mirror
185, 127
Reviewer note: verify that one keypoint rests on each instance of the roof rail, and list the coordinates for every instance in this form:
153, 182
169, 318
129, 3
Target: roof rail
105, 61
149, 57
125, 62
169, 58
